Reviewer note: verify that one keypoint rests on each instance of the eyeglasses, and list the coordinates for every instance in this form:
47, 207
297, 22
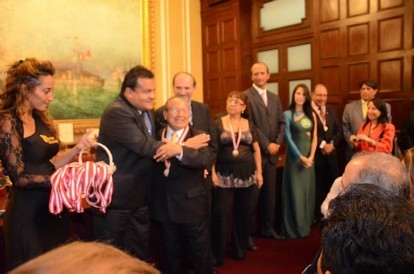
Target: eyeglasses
178, 110
235, 102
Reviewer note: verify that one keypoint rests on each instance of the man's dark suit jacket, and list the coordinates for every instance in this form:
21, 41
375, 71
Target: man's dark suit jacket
201, 119
407, 132
125, 134
269, 121
334, 133
182, 196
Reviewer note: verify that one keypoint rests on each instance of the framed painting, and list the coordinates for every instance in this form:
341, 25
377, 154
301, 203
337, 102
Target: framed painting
92, 44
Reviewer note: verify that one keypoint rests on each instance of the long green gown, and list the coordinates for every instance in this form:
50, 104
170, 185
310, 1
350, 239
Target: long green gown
298, 187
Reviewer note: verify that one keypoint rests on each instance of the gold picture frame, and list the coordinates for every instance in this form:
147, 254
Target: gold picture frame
77, 127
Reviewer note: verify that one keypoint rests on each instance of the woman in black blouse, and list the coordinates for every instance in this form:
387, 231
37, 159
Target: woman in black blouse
30, 152
236, 175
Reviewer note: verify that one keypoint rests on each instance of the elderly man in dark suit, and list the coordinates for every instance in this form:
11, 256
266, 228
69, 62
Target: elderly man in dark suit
184, 86
329, 135
267, 116
127, 128
179, 199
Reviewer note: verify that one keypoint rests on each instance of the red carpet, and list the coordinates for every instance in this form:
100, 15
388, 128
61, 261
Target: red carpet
287, 256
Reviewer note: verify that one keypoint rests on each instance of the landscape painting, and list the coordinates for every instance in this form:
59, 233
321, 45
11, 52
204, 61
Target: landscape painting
91, 44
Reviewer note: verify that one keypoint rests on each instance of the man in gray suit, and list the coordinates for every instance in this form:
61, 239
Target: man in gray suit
266, 114
354, 113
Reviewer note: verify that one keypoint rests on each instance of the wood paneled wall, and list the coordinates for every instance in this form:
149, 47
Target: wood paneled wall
227, 55
351, 40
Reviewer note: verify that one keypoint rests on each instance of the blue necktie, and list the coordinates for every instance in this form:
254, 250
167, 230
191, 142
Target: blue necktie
147, 122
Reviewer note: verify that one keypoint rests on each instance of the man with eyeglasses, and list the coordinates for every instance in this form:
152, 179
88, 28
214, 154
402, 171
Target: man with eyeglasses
184, 86
267, 116
127, 129
179, 194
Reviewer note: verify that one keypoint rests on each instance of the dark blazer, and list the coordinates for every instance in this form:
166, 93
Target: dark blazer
125, 134
269, 121
201, 119
334, 133
182, 196
407, 132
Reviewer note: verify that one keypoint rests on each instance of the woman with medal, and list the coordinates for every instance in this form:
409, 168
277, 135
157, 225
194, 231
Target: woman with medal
237, 176
298, 186
375, 134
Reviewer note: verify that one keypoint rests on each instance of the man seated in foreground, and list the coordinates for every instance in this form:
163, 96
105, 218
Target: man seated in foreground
375, 168
368, 230
85, 258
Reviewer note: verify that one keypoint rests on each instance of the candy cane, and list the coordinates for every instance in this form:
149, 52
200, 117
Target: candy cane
76, 181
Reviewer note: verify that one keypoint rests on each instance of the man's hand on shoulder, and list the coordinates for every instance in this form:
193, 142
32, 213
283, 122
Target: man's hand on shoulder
167, 151
198, 141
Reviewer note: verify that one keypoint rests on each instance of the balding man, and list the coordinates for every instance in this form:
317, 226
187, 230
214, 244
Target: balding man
179, 194
184, 85
267, 116
375, 168
329, 136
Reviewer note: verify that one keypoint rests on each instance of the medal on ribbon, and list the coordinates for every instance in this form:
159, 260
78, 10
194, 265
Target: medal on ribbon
167, 163
233, 138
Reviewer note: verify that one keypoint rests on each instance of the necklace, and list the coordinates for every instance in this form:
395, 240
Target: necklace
233, 138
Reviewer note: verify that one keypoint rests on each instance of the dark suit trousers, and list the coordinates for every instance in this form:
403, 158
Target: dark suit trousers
197, 235
242, 200
326, 171
267, 197
126, 229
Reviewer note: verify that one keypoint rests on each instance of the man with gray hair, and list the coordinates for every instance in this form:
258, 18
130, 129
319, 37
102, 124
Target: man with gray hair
376, 168
381, 169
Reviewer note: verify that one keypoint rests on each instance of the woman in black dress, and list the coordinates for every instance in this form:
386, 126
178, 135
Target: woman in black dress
237, 175
30, 152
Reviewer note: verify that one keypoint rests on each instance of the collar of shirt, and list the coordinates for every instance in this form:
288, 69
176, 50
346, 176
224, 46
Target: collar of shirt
259, 90
317, 108
170, 132
364, 102
191, 114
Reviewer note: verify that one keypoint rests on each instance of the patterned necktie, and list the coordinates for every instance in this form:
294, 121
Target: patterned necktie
322, 114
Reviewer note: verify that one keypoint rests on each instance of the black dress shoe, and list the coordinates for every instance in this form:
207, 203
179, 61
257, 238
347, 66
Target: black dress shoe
251, 245
272, 235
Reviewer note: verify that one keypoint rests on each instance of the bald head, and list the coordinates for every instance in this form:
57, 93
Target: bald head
379, 169
320, 95
184, 85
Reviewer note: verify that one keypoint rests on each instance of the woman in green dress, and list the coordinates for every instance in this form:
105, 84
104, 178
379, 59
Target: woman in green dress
298, 187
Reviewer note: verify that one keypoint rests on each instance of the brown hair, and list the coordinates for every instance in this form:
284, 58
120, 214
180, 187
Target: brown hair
85, 257
20, 75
